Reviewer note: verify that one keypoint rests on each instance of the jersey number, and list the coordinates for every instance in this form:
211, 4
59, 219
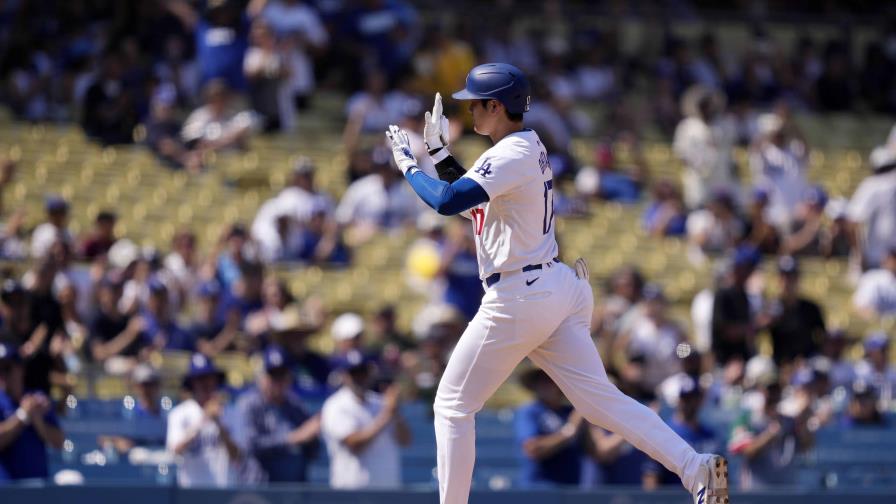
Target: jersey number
548, 205
478, 219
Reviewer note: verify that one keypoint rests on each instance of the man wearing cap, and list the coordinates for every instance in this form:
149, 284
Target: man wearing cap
347, 332
797, 324
276, 428
162, 330
54, 229
549, 433
875, 295
864, 408
687, 424
875, 368
872, 208
210, 334
27, 422
363, 430
733, 329
197, 435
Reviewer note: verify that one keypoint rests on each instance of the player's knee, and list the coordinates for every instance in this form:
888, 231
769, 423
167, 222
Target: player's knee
451, 410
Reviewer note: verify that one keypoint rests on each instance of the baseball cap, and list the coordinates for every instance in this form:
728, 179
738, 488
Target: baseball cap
882, 158
876, 341
303, 166
760, 370
862, 388
144, 373
274, 358
347, 326
746, 255
816, 196
200, 365
788, 265
760, 195
55, 203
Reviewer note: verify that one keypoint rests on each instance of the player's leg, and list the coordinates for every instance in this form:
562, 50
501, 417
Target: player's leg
570, 358
495, 341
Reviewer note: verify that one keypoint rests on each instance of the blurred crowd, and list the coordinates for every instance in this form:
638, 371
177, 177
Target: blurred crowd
189, 78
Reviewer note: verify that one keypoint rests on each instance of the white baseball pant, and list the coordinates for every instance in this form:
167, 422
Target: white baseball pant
545, 315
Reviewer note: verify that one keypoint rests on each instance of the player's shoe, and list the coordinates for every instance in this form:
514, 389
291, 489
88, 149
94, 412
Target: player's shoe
711, 486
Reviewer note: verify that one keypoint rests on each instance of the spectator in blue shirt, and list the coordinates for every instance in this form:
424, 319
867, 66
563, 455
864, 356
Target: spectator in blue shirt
160, 327
686, 423
211, 334
460, 269
27, 422
278, 430
222, 37
666, 214
549, 432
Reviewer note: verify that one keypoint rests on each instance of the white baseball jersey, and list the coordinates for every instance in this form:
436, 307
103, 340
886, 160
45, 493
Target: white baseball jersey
515, 228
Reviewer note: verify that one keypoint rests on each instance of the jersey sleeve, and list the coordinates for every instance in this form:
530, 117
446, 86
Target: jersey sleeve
496, 175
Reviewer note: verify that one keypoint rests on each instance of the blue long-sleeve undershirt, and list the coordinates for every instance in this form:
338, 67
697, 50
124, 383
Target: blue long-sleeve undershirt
447, 199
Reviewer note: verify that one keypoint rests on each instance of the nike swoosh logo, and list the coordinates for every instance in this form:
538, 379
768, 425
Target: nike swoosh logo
528, 282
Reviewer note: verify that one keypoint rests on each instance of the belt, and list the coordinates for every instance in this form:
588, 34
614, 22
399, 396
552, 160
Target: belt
496, 277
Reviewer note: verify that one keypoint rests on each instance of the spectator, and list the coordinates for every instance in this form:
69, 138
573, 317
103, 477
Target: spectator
717, 227
873, 206
278, 303
807, 230
687, 424
624, 292
703, 141
54, 229
300, 29
381, 35
460, 271
279, 432
27, 423
652, 336
222, 33
797, 326
101, 239
162, 330
363, 430
110, 106
612, 182
163, 133
370, 110
549, 432
144, 405
310, 369
377, 201
181, 263
235, 250
875, 294
210, 334
114, 336
837, 239
863, 409
666, 214
733, 327
267, 69
35, 325
876, 369
702, 307
621, 463
217, 125
769, 442
760, 231
842, 370
348, 333
779, 160
197, 435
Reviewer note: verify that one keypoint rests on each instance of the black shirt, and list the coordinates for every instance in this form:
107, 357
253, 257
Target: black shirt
795, 330
731, 306
105, 327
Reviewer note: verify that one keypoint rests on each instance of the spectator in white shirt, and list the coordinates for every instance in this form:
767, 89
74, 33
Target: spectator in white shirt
779, 160
54, 229
876, 293
267, 70
216, 125
875, 368
379, 200
207, 454
704, 140
302, 32
363, 430
873, 207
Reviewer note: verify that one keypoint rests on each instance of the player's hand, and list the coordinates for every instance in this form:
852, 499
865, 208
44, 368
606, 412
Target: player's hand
435, 127
401, 149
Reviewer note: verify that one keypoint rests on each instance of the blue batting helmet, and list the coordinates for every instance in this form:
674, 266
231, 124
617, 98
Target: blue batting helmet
497, 81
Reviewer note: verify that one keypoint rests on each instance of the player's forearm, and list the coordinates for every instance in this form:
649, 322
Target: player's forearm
358, 441
445, 198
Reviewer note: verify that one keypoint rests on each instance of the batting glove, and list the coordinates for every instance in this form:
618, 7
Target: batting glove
435, 130
401, 149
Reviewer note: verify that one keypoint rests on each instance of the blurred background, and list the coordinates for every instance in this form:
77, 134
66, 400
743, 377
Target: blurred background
213, 277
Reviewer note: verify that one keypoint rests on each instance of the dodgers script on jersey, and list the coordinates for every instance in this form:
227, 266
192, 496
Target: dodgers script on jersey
516, 227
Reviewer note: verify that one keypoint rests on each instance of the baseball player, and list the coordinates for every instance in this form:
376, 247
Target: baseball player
534, 305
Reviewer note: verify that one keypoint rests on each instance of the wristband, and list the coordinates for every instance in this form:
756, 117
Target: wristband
439, 155
23, 417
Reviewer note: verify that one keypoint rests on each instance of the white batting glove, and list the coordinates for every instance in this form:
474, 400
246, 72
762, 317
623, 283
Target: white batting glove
435, 128
401, 149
